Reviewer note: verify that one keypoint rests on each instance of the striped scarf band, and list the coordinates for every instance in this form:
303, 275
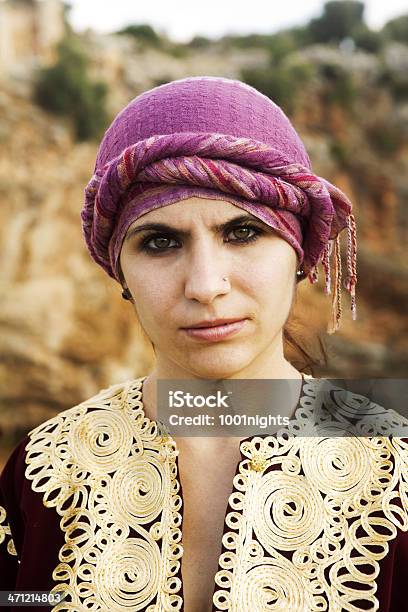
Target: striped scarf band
304, 209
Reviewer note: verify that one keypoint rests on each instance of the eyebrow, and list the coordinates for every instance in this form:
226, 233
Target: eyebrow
164, 227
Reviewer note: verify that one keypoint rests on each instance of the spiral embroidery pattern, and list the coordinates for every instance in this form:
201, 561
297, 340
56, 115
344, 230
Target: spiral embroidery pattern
113, 480
307, 531
309, 518
5, 532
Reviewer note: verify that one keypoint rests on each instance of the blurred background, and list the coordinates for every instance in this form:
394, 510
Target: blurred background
339, 70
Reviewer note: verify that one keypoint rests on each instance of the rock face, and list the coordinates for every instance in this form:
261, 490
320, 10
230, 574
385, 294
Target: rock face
363, 150
65, 330
29, 33
54, 301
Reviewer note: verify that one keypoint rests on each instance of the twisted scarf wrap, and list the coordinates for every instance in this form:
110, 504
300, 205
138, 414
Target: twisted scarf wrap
306, 210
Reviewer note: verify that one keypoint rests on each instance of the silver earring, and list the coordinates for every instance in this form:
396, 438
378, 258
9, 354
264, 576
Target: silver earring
299, 273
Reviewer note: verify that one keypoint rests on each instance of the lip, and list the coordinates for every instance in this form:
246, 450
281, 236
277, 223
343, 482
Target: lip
215, 332
211, 323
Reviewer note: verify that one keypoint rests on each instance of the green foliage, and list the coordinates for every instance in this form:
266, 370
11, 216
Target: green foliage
396, 82
162, 80
345, 19
338, 85
143, 32
246, 41
200, 42
279, 45
367, 39
397, 29
385, 136
280, 83
339, 152
301, 36
340, 18
178, 50
147, 36
400, 89
65, 89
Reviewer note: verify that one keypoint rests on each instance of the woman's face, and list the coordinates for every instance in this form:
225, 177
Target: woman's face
175, 276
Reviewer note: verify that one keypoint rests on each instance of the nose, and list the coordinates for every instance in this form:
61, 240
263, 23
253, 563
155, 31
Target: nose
205, 276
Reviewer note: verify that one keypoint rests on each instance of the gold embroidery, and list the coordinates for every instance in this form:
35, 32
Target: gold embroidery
114, 483
6, 531
308, 536
258, 463
311, 515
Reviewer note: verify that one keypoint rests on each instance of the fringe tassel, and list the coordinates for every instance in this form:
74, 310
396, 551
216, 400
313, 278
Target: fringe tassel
326, 266
314, 275
334, 323
351, 279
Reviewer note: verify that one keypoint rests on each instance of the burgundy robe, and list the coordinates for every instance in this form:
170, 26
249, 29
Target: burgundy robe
35, 531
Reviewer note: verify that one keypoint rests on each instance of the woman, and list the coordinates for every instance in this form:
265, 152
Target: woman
203, 205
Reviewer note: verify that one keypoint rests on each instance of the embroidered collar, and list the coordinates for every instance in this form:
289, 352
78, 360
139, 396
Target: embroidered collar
308, 519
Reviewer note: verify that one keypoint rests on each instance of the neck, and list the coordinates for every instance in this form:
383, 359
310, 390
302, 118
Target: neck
272, 365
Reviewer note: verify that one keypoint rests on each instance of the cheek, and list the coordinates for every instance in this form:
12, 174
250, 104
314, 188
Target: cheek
152, 303
274, 278
271, 286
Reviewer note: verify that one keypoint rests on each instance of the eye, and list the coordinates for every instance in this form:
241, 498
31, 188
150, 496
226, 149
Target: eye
245, 229
160, 243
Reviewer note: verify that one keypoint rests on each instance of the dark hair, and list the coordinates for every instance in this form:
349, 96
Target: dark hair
303, 348
304, 355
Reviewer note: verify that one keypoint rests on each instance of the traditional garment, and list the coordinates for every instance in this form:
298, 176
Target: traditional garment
91, 504
220, 139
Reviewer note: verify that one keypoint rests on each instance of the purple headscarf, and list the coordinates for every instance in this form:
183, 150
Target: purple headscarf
216, 138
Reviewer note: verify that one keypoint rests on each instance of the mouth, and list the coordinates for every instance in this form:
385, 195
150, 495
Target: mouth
212, 323
215, 332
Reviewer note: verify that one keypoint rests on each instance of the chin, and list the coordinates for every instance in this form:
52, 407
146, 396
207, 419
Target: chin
225, 365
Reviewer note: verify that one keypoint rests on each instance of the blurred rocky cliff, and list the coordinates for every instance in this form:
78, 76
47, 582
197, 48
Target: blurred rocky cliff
65, 330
